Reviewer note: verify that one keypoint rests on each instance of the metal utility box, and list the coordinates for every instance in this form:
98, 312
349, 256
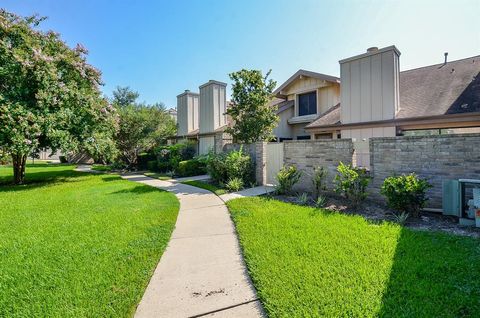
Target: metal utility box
451, 197
461, 198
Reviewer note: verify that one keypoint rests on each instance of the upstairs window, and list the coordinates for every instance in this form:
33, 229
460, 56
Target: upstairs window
307, 104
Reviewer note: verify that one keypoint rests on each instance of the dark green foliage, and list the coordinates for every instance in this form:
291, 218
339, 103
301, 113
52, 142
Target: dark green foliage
142, 126
152, 165
406, 193
63, 159
352, 183
319, 180
287, 177
169, 157
143, 158
224, 167
251, 114
192, 167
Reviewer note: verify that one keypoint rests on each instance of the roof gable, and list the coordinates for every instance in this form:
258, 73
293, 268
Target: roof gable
304, 73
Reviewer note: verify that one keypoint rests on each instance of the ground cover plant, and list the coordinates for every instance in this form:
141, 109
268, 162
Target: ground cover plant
78, 245
308, 262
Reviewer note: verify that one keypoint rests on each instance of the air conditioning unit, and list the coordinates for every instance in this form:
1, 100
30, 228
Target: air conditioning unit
461, 198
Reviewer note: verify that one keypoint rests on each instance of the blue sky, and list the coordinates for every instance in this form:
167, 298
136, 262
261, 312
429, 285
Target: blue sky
161, 48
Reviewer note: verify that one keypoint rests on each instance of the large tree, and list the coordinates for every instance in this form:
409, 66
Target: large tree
141, 127
49, 94
253, 118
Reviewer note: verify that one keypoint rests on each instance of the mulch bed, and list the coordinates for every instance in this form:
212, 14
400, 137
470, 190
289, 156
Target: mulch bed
376, 212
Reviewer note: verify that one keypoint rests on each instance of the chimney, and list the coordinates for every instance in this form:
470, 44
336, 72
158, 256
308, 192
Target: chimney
370, 85
213, 104
187, 112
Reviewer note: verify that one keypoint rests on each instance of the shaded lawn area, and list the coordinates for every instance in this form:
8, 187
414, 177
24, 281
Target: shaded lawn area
79, 245
156, 175
307, 262
207, 186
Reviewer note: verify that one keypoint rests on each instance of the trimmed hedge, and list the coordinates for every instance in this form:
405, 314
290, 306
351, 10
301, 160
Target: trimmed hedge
192, 167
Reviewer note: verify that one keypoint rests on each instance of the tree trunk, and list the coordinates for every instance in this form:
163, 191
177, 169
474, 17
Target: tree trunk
19, 161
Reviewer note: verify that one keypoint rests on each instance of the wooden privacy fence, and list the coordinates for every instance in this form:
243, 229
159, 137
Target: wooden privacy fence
274, 161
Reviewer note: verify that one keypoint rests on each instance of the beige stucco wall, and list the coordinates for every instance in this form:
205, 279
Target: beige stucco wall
369, 88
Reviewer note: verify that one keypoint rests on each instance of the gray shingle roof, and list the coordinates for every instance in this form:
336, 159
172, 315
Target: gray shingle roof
440, 89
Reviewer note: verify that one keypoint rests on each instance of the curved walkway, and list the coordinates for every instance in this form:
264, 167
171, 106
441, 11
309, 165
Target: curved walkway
201, 273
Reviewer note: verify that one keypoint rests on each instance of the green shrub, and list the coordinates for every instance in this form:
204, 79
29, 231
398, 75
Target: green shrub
235, 184
319, 180
302, 199
192, 167
143, 158
152, 165
352, 183
235, 164
63, 159
287, 177
321, 201
406, 193
169, 157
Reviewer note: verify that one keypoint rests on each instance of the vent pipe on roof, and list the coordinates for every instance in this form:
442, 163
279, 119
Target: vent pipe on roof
372, 49
446, 55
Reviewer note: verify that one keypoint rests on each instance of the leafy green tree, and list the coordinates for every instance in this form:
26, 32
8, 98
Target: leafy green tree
124, 96
253, 119
141, 127
49, 94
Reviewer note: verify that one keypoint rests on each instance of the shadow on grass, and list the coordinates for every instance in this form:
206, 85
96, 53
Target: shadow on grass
40, 178
433, 275
139, 189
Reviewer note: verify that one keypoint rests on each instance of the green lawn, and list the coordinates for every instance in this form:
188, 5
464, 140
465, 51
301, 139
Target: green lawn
79, 245
207, 186
156, 175
104, 168
307, 262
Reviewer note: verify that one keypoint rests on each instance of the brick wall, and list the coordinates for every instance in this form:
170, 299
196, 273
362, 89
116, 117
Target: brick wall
432, 157
308, 154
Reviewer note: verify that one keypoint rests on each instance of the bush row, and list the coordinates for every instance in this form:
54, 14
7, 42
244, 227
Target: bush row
406, 194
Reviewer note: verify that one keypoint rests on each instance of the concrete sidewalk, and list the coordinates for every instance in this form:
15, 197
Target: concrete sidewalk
202, 272
250, 192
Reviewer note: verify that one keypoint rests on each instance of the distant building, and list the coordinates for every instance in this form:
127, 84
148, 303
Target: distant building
173, 112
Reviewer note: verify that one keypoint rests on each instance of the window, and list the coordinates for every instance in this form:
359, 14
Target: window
303, 137
307, 104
